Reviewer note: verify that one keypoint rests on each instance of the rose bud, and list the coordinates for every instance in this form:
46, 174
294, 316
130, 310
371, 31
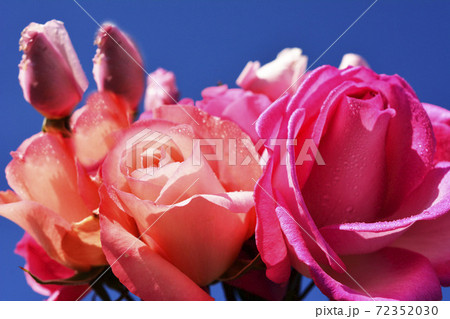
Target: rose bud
161, 89
352, 59
118, 65
50, 75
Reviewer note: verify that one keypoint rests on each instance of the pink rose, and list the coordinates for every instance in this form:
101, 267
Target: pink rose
50, 74
372, 223
276, 77
175, 206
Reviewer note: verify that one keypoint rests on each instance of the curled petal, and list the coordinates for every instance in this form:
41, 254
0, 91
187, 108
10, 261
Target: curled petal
388, 274
82, 243
238, 158
422, 206
144, 272
197, 226
273, 79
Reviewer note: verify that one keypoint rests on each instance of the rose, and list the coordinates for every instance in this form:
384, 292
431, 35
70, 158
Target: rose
177, 202
373, 221
57, 199
118, 66
50, 74
54, 174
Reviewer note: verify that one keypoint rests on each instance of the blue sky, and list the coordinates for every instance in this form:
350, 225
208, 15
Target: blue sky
204, 42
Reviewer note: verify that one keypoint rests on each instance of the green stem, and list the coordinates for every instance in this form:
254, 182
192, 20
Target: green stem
61, 125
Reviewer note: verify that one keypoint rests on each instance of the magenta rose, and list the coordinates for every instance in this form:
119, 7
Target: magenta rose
372, 222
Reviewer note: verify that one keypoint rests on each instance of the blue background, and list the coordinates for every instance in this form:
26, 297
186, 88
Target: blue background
204, 42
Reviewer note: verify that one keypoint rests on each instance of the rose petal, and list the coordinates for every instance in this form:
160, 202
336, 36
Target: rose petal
426, 203
92, 126
161, 89
144, 272
45, 268
149, 186
112, 172
388, 274
268, 235
8, 196
429, 236
45, 226
410, 143
352, 59
275, 77
44, 171
195, 227
240, 159
350, 186
440, 119
241, 107
188, 180
82, 243
296, 204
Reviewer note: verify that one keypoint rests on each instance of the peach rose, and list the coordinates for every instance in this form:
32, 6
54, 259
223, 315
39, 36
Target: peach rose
177, 202
55, 198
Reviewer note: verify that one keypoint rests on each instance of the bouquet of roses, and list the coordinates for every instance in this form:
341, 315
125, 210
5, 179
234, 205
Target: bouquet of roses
340, 175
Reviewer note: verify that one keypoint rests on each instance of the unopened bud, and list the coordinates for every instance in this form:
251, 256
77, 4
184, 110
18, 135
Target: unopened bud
118, 66
50, 74
161, 89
